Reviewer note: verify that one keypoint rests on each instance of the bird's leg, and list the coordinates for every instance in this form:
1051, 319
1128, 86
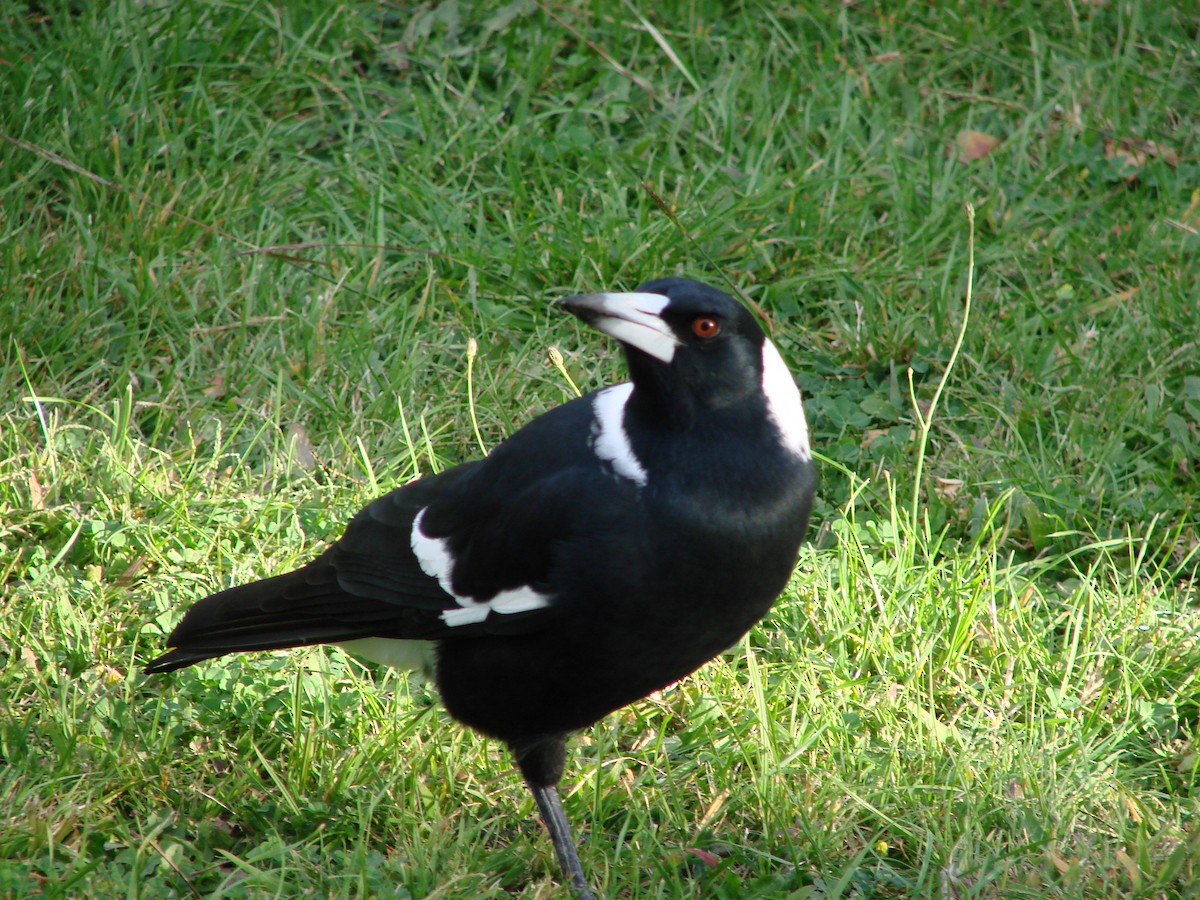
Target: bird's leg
540, 758
560, 833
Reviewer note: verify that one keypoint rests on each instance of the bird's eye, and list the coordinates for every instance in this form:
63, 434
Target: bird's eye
705, 327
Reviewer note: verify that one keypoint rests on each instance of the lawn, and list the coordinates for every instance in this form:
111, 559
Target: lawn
246, 248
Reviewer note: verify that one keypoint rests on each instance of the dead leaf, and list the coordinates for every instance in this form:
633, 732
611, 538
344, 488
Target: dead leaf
1131, 155
131, 570
1131, 806
973, 145
1059, 863
37, 497
301, 447
871, 435
1128, 159
1169, 155
1072, 117
216, 388
947, 488
713, 808
1112, 301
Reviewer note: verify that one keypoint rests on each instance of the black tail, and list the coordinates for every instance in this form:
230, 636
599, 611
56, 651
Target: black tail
262, 615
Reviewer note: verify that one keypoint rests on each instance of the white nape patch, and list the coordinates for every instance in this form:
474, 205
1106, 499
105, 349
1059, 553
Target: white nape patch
433, 554
783, 402
609, 439
635, 319
392, 652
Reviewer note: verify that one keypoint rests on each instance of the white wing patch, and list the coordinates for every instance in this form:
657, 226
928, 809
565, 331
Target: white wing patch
433, 555
783, 402
435, 559
609, 439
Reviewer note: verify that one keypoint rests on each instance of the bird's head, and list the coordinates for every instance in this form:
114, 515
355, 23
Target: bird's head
693, 351
686, 342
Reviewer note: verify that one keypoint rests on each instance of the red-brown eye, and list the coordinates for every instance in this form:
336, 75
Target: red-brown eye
705, 327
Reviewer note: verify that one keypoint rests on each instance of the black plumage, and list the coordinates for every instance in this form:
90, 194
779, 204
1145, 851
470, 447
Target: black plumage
608, 548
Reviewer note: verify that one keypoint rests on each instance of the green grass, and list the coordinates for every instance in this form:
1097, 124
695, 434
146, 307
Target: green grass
994, 694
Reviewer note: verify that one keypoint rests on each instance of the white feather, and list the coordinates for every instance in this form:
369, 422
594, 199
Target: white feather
467, 615
783, 402
433, 555
609, 439
515, 600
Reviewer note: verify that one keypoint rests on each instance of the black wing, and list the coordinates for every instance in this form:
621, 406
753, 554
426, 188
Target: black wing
497, 524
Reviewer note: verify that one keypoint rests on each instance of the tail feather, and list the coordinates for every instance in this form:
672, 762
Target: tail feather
255, 616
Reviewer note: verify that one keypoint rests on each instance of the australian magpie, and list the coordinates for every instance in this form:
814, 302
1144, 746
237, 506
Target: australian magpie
605, 550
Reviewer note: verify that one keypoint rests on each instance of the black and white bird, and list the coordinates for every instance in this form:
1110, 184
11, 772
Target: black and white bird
607, 549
